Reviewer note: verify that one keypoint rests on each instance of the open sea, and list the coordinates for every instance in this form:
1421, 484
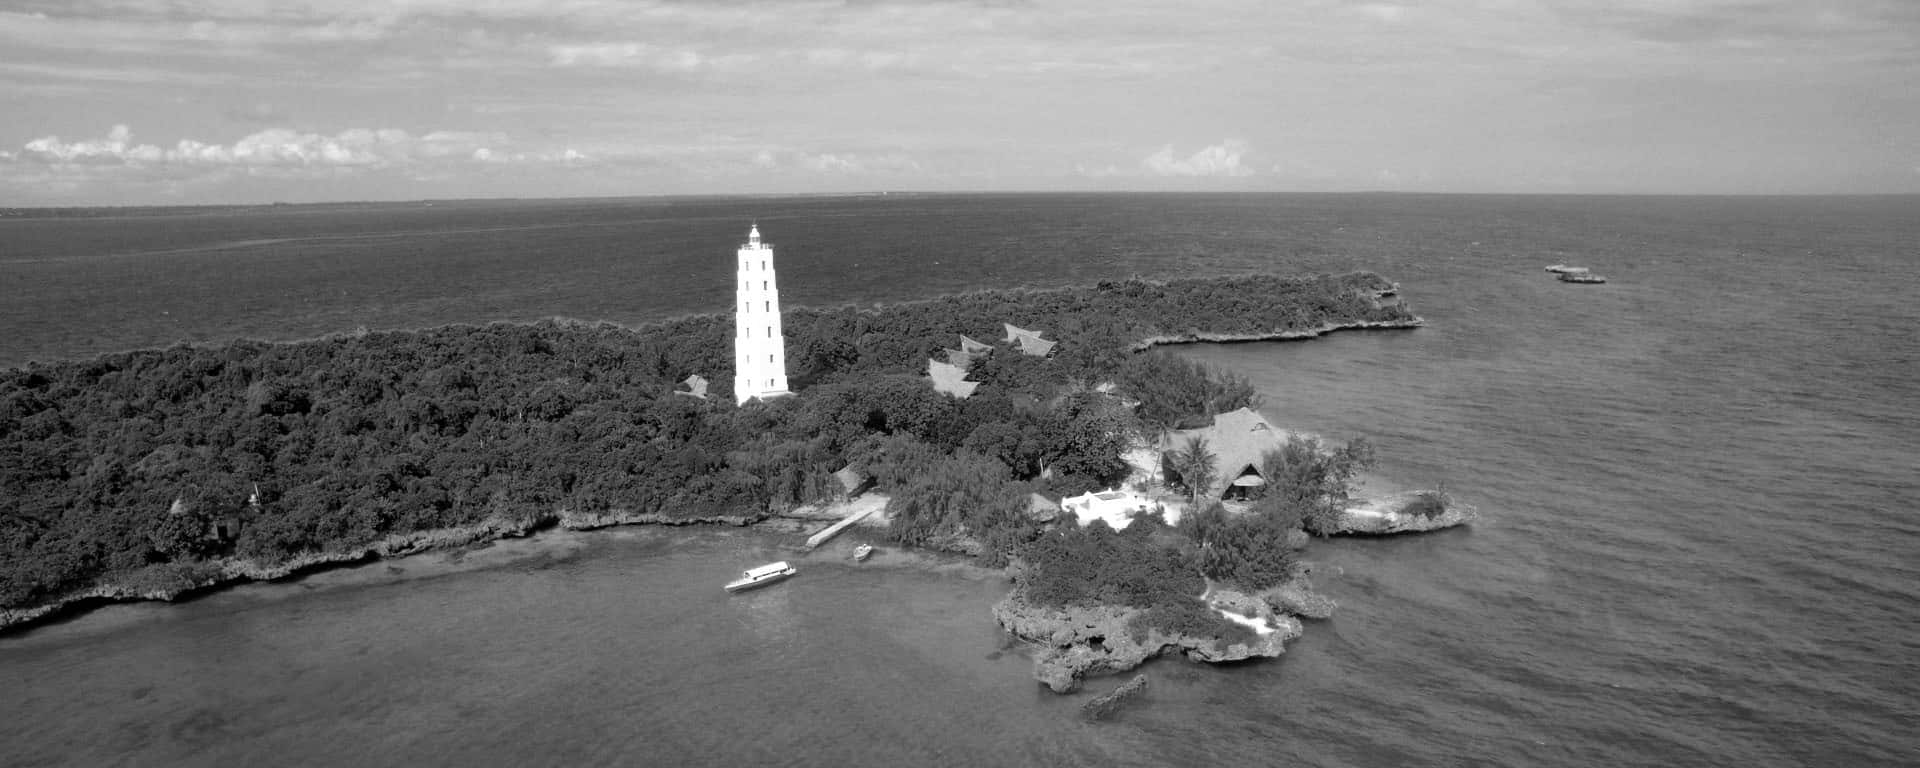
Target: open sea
1700, 489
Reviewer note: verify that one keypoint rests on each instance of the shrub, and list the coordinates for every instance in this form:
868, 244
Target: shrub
1427, 504
1316, 481
1249, 551
1193, 618
1095, 565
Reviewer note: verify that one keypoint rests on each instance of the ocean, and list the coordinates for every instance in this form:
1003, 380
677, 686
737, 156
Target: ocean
1698, 542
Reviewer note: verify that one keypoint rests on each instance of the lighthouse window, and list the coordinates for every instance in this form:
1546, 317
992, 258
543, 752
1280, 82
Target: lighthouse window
763, 285
769, 331
768, 308
763, 266
769, 358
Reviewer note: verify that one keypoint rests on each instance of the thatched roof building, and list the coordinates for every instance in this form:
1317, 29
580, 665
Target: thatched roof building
950, 379
1029, 342
1238, 440
696, 387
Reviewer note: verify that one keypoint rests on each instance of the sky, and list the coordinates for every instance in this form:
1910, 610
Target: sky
144, 102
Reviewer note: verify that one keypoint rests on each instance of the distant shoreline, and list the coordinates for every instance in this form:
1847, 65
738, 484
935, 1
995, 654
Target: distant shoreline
1244, 338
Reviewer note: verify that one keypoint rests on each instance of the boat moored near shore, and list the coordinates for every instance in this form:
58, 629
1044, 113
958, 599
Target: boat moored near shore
761, 576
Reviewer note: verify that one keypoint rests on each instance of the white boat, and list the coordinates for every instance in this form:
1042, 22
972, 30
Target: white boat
761, 576
862, 552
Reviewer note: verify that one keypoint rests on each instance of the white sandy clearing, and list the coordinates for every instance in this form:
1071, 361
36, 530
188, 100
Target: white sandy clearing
1258, 625
1116, 519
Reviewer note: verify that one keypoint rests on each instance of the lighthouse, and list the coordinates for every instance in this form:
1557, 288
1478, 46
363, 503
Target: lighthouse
759, 345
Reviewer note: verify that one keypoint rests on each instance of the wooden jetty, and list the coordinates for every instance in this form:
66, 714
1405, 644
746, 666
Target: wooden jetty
835, 529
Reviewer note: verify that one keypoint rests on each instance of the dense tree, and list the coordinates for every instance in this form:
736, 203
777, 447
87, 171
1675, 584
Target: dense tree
1176, 393
1196, 465
1250, 551
353, 437
1096, 565
1088, 433
1311, 481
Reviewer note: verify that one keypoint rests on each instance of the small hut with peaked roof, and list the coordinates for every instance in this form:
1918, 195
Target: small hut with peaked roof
968, 352
1029, 342
950, 379
853, 482
696, 387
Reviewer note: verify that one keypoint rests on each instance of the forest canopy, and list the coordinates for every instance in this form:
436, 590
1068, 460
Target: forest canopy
176, 457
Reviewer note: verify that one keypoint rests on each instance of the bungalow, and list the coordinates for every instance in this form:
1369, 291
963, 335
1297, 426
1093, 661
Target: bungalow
1028, 341
696, 387
1238, 440
950, 379
969, 351
853, 482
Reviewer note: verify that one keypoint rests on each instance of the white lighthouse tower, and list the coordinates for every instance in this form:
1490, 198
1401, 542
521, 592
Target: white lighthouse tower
759, 346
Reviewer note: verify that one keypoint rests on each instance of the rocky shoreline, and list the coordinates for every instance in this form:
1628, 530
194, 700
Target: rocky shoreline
1200, 337
171, 582
1069, 643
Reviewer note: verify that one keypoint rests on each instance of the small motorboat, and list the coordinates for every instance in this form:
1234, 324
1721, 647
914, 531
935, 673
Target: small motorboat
862, 552
1581, 276
1563, 269
761, 576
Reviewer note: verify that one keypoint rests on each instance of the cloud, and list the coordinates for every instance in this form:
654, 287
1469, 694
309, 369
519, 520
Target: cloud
640, 55
858, 163
1221, 159
287, 149
1748, 21
1385, 12
256, 112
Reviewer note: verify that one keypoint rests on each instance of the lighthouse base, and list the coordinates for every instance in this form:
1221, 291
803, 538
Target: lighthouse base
762, 396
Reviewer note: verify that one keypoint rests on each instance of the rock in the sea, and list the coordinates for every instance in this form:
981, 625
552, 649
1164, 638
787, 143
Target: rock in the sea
1410, 512
1105, 705
1080, 640
1296, 596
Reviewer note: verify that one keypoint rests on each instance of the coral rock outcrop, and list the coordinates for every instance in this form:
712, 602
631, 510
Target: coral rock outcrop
1396, 514
1077, 641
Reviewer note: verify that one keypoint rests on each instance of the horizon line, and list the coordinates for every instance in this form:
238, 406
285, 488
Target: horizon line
9, 209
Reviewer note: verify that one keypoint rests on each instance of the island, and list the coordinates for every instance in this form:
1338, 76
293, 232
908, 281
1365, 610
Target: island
155, 474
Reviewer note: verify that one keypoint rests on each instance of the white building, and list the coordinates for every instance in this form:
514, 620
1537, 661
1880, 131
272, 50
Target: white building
1118, 507
759, 345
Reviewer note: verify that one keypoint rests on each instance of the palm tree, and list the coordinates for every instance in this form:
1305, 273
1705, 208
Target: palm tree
1156, 432
1195, 464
